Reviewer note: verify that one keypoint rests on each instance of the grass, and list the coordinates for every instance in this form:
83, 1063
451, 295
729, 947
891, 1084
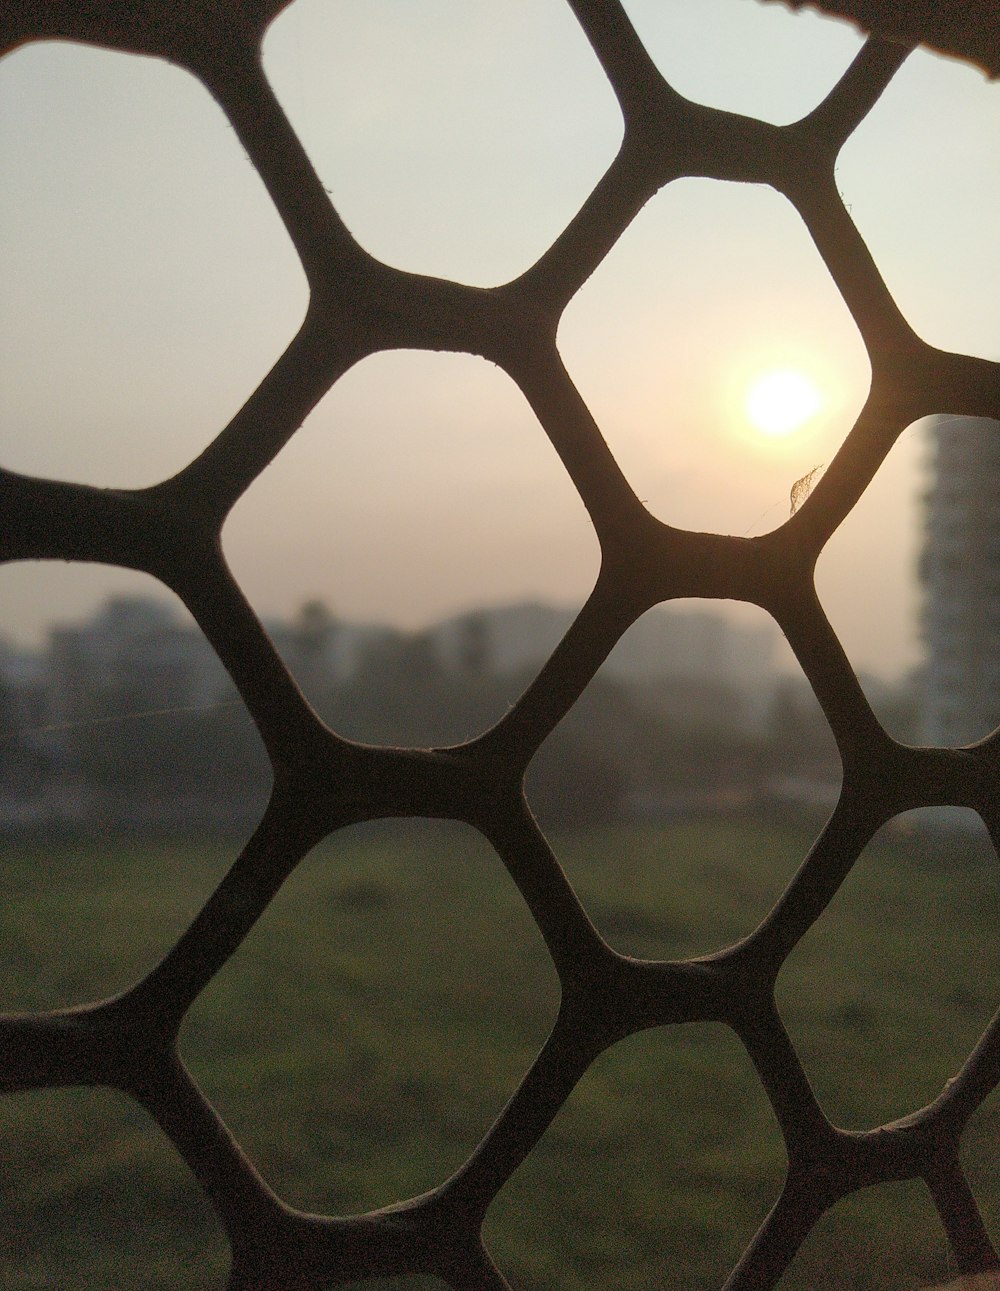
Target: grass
386, 1005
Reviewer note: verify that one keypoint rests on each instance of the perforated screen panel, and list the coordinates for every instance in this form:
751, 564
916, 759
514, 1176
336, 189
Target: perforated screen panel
322, 782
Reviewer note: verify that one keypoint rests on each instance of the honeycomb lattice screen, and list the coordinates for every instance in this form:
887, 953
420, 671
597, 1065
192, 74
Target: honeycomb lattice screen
322, 783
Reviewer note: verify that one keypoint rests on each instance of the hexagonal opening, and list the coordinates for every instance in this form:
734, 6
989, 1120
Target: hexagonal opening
922, 627
94, 1196
713, 288
886, 1236
419, 495
131, 772
877, 617
364, 1037
466, 165
888, 992
979, 1158
929, 219
82, 919
641, 1181
703, 53
688, 781
150, 284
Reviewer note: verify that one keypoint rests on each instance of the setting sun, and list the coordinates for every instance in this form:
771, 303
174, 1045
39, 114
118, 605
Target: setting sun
781, 401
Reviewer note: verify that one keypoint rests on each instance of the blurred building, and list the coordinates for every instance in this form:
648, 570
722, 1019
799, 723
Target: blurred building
696, 666
132, 655
129, 718
960, 576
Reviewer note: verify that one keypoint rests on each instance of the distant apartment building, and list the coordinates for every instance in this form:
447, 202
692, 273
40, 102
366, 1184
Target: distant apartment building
960, 576
132, 655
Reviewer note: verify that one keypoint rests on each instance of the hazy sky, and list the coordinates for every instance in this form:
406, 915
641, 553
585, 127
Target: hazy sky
149, 286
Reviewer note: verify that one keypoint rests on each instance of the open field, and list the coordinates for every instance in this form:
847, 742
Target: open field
388, 1002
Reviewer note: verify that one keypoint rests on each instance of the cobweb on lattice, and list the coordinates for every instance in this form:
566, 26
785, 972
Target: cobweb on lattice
322, 782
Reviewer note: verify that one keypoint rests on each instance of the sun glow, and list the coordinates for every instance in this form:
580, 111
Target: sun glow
782, 401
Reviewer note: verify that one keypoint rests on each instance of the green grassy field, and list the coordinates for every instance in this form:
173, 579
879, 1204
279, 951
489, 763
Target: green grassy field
387, 1004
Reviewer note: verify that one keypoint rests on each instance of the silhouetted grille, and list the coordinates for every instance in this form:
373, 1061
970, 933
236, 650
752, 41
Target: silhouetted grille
323, 782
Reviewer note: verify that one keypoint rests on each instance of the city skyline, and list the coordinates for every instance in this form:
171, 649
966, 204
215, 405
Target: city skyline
518, 635
99, 723
140, 242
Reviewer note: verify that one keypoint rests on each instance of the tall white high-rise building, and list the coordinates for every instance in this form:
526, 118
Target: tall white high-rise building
960, 573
